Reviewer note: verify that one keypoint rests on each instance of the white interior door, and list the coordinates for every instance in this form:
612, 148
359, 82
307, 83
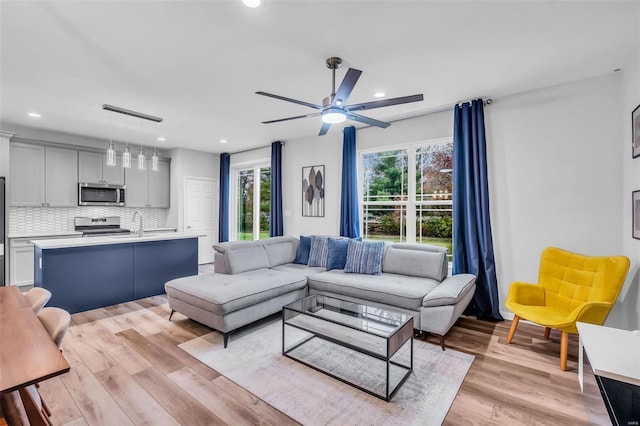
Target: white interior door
200, 214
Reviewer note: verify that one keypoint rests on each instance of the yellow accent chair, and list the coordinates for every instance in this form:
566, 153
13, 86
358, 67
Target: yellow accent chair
571, 287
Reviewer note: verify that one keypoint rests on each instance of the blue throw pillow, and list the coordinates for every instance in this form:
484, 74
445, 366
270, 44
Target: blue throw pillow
337, 253
302, 254
364, 257
319, 251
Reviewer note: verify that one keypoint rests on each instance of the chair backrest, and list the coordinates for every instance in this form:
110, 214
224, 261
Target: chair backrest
37, 298
56, 322
571, 279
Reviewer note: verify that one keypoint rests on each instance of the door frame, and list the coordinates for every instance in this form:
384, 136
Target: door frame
216, 201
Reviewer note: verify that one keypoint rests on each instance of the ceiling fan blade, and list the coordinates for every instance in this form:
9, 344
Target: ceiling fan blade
385, 102
295, 101
291, 118
348, 82
367, 120
324, 129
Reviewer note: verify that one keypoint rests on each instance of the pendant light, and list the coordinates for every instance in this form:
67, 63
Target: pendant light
126, 157
111, 155
155, 161
141, 160
111, 150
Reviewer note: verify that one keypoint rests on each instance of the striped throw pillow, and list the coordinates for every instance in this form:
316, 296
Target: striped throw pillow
364, 257
319, 251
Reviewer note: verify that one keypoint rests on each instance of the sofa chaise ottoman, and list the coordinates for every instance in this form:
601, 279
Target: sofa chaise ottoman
227, 302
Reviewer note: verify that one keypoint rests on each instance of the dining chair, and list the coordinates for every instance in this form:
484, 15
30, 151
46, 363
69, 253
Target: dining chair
37, 298
56, 321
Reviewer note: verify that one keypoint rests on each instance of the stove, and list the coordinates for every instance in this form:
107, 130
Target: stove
99, 226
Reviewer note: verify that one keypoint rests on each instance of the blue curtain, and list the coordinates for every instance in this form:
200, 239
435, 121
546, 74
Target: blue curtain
223, 205
349, 214
276, 220
472, 240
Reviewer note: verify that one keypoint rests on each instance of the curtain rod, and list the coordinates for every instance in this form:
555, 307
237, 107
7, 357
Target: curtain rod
435, 110
256, 148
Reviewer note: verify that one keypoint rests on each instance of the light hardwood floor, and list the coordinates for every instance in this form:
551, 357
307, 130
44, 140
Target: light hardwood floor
126, 368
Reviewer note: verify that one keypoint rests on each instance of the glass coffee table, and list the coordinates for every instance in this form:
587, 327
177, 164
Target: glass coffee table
358, 344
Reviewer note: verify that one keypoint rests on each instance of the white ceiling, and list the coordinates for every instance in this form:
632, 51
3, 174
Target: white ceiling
197, 64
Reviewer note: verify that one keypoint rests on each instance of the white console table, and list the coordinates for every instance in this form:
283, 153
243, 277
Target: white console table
613, 353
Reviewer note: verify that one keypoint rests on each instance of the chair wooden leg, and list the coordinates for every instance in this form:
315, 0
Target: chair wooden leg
547, 330
564, 344
514, 325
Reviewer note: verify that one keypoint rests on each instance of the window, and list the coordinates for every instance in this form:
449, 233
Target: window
252, 187
406, 193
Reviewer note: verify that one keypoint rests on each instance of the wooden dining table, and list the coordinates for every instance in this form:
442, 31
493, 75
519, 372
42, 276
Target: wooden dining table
28, 354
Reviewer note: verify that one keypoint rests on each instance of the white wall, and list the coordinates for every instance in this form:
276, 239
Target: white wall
555, 173
188, 163
554, 168
627, 313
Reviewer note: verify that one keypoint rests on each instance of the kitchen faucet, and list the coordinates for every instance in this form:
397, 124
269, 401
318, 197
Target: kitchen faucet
133, 220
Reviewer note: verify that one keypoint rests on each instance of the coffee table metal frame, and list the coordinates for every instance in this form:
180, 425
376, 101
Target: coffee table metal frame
344, 313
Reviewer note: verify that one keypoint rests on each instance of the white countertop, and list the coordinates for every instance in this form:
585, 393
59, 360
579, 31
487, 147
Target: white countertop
612, 352
43, 234
113, 239
38, 234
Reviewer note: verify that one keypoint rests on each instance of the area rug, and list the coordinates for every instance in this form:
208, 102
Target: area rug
253, 360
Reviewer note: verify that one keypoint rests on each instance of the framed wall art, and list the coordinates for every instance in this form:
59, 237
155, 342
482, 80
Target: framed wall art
635, 131
635, 214
313, 184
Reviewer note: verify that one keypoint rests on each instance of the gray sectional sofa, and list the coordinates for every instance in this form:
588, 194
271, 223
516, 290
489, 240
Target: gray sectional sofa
254, 279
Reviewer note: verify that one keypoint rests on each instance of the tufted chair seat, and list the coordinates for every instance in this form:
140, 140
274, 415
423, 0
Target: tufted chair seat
571, 287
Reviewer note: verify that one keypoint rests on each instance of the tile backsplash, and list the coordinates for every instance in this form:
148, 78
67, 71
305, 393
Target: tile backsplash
53, 219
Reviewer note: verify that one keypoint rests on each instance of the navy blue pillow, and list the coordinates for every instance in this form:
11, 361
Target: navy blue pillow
337, 256
304, 247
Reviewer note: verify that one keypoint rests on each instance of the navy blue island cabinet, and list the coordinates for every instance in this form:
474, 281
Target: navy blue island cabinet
92, 275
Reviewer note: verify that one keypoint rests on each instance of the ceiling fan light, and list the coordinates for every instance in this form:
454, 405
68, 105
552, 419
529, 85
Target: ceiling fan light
252, 3
333, 116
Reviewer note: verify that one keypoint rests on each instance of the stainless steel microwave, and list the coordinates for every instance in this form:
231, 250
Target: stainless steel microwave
101, 194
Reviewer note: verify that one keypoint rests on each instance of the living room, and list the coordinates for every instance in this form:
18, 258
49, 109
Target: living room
558, 144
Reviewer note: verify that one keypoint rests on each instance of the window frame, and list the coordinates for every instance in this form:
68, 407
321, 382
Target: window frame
255, 167
409, 205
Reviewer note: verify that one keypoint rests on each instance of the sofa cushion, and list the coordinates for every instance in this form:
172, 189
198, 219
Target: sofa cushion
299, 269
391, 289
243, 256
444, 267
337, 253
364, 257
450, 291
302, 254
280, 250
415, 263
221, 294
319, 251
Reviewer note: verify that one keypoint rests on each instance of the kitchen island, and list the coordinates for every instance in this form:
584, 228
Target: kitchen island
89, 273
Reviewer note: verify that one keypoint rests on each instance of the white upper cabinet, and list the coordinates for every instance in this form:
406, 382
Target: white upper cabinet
92, 168
148, 188
43, 176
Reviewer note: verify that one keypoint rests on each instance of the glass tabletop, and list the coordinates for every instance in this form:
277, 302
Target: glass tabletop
370, 319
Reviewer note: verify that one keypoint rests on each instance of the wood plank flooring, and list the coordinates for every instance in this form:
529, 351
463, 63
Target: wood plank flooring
126, 369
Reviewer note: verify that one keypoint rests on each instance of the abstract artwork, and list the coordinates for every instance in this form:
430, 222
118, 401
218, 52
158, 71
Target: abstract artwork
635, 214
635, 132
313, 191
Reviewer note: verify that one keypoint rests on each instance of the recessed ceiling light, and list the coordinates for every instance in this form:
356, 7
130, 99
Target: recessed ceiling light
161, 139
223, 141
34, 115
252, 3
378, 94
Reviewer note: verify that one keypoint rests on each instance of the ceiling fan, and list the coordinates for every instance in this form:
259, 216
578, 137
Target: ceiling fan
333, 109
